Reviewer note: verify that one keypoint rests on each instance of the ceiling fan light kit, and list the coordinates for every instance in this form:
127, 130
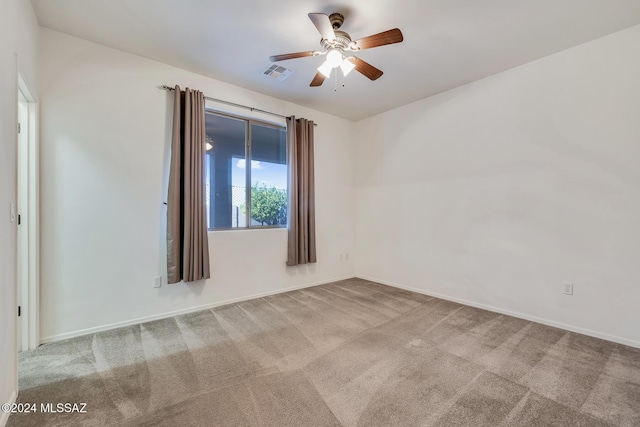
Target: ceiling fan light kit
326, 69
347, 66
335, 42
335, 59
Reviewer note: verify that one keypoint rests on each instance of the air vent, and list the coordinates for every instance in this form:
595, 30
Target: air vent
278, 72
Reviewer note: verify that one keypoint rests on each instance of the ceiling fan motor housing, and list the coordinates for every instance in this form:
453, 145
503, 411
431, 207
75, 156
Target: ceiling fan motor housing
336, 20
342, 41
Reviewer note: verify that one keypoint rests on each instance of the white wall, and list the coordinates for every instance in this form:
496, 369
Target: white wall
104, 137
492, 194
18, 53
496, 192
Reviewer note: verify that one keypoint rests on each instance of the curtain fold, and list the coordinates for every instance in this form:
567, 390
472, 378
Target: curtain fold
187, 242
301, 206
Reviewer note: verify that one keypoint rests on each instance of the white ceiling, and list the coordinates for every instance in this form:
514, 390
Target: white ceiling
447, 43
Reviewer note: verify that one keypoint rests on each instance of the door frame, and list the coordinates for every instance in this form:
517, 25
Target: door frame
28, 245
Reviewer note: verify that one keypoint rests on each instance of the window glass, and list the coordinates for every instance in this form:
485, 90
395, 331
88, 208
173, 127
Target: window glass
227, 183
244, 152
268, 176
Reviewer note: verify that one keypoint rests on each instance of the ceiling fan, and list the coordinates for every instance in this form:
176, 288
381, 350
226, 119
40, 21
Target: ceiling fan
335, 43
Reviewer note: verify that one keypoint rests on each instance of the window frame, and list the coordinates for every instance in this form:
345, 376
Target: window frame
248, 145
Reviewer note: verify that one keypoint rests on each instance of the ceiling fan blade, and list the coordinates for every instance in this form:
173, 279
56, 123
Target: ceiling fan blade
323, 24
380, 39
318, 79
366, 69
276, 58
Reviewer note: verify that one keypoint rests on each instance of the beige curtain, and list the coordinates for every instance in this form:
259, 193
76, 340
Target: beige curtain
187, 243
301, 207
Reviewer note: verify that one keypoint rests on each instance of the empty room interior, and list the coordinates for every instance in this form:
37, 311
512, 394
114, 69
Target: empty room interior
317, 213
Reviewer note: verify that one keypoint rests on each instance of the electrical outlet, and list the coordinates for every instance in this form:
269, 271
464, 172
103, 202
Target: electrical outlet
157, 281
346, 256
567, 288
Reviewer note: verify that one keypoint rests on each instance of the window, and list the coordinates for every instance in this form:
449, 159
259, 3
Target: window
246, 173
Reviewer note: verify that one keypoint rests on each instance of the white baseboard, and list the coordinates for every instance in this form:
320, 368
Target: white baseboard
4, 416
73, 334
589, 332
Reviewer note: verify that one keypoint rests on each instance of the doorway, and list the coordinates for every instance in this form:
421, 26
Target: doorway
27, 216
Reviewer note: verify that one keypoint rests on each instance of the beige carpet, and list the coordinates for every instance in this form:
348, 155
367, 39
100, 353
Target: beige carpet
347, 353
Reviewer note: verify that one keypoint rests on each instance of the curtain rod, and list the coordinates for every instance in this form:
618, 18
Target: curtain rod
165, 87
